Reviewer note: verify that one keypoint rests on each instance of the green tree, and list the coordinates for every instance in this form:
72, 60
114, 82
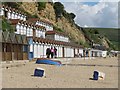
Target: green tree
72, 15
59, 8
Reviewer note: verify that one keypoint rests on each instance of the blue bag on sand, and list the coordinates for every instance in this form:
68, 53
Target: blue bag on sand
39, 72
95, 75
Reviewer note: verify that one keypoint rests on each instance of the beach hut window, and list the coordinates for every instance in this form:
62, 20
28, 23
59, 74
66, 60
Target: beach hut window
9, 15
19, 16
31, 32
15, 15
24, 19
28, 32
24, 30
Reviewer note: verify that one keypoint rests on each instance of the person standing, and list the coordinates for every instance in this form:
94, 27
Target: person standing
55, 52
48, 52
52, 52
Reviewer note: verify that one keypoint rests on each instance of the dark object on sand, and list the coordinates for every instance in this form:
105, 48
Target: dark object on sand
48, 61
39, 72
95, 75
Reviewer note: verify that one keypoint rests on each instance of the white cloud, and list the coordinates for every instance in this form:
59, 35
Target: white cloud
103, 14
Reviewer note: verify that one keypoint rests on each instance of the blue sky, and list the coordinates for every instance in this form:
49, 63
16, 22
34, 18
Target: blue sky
99, 13
90, 3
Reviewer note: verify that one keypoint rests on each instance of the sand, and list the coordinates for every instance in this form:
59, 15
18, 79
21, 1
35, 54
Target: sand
76, 74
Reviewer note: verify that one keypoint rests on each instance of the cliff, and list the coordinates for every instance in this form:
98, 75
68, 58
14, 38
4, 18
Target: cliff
49, 14
64, 23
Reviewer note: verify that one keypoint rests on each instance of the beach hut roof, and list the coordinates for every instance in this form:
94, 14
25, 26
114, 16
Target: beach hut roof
24, 39
55, 32
3, 38
34, 20
7, 37
101, 47
19, 39
13, 37
14, 21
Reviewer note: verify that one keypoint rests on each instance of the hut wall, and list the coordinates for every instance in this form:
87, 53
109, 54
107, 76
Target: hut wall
39, 50
20, 52
57, 50
81, 51
25, 52
3, 56
8, 54
68, 53
25, 56
72, 52
3, 52
15, 52
35, 50
45, 48
76, 51
60, 52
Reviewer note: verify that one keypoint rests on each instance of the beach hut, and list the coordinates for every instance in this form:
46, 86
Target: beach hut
25, 47
14, 46
45, 23
7, 46
31, 48
54, 35
3, 46
20, 47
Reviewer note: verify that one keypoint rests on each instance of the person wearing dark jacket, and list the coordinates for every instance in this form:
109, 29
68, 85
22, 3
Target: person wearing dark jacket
48, 52
55, 52
52, 52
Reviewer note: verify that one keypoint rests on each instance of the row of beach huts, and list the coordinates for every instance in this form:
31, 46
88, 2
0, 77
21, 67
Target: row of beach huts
33, 36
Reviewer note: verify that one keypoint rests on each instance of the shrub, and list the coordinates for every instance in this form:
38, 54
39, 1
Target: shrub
41, 5
59, 8
6, 26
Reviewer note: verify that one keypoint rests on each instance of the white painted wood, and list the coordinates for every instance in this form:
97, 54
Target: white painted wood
24, 19
19, 16
45, 47
31, 47
16, 17
31, 31
28, 31
72, 52
9, 15
41, 49
12, 15
22, 29
35, 50
76, 52
43, 33
1, 12
81, 51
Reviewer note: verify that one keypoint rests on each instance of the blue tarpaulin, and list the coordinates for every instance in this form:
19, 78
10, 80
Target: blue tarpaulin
47, 61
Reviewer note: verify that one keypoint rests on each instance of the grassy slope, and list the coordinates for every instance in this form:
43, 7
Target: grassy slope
111, 33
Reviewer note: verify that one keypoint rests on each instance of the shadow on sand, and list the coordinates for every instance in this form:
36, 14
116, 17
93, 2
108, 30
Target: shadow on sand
91, 65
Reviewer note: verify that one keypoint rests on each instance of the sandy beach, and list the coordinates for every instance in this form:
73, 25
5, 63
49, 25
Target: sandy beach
75, 74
